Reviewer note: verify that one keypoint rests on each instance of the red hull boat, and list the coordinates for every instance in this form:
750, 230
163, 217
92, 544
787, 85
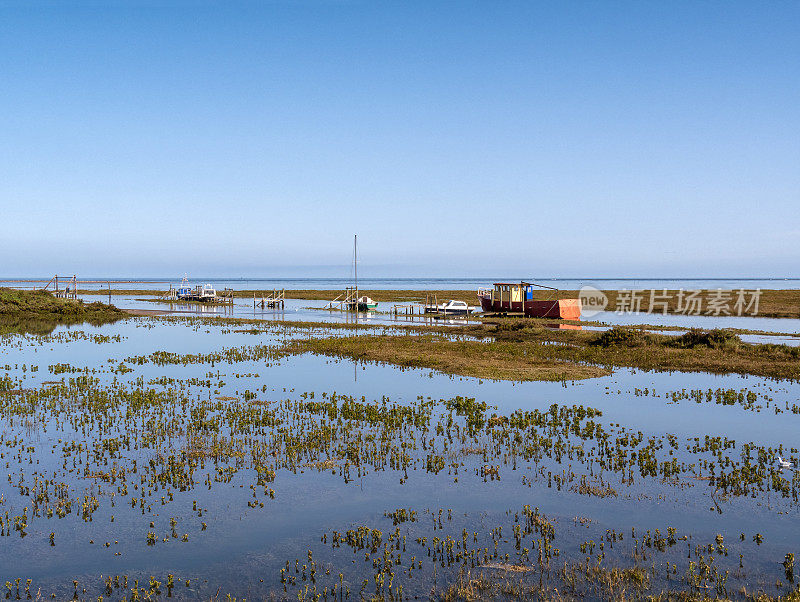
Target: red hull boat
518, 297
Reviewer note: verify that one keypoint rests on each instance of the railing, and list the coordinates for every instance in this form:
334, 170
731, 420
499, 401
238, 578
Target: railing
273, 300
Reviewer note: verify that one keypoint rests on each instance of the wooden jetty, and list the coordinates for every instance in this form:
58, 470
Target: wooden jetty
347, 301
431, 306
274, 300
64, 287
408, 309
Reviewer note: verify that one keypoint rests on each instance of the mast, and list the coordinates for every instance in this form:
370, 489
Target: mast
355, 264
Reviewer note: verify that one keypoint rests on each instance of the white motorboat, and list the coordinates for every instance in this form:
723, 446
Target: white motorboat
452, 307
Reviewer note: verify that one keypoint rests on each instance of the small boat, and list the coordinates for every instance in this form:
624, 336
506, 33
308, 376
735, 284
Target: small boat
207, 293
518, 297
351, 300
184, 290
452, 307
365, 303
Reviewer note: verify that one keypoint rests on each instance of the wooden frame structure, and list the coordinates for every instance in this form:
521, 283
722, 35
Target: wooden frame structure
64, 287
347, 301
273, 300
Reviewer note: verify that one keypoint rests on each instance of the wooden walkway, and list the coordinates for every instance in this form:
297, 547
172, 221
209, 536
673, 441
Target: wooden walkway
274, 300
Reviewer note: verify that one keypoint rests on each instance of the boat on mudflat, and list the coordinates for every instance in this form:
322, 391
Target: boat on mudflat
366, 303
517, 297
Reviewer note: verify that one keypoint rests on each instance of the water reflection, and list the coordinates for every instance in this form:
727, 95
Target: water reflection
242, 545
40, 326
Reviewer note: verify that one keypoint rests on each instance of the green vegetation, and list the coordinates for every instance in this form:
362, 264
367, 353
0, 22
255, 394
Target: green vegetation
634, 337
532, 352
715, 351
42, 305
491, 360
157, 453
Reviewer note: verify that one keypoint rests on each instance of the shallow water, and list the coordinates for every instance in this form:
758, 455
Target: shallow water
784, 325
242, 549
315, 311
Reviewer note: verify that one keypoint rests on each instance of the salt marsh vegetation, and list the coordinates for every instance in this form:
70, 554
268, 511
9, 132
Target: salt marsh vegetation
194, 458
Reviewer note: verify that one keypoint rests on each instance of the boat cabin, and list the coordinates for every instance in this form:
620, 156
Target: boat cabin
506, 296
184, 291
518, 297
207, 292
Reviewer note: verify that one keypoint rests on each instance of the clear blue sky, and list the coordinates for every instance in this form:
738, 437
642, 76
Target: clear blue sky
456, 138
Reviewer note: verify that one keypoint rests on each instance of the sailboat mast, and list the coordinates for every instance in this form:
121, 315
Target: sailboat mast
355, 264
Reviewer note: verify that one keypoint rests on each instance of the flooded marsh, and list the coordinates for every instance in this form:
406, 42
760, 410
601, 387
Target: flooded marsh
194, 458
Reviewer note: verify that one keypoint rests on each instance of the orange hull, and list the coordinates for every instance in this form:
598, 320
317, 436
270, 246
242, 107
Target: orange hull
563, 309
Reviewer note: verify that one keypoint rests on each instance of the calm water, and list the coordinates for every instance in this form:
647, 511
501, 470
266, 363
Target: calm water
242, 549
310, 310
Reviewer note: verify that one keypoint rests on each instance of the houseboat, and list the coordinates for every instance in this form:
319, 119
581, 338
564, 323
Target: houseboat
517, 297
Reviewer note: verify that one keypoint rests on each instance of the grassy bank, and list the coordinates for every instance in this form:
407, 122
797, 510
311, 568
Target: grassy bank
536, 353
715, 351
494, 360
43, 306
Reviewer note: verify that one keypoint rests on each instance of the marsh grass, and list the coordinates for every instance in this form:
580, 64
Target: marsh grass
714, 351
490, 360
42, 307
158, 444
538, 353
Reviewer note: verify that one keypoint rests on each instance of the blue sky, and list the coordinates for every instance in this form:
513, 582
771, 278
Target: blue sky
456, 138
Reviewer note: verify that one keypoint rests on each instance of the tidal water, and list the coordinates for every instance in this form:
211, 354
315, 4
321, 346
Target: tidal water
133, 394
315, 310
